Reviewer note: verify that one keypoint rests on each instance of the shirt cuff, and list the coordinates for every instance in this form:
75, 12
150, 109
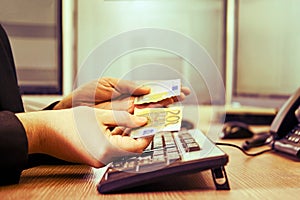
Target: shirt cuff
51, 106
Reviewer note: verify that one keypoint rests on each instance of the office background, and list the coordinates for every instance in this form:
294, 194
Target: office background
255, 44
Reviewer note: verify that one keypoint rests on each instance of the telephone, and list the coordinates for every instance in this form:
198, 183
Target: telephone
285, 127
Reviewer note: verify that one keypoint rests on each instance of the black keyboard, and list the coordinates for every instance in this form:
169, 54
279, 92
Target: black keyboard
169, 153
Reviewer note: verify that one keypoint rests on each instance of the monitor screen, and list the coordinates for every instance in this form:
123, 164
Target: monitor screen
267, 63
35, 32
200, 22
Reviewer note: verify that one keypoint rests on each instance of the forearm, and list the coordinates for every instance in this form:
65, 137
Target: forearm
34, 128
54, 133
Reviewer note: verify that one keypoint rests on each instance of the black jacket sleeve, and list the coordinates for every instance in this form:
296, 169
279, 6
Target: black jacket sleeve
14, 155
13, 148
10, 98
13, 140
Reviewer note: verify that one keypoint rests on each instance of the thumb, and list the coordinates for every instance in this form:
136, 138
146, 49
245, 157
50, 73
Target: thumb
129, 87
121, 118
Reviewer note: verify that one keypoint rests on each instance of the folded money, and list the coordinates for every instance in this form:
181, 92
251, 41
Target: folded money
159, 119
160, 90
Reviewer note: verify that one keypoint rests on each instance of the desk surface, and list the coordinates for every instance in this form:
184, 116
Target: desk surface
267, 176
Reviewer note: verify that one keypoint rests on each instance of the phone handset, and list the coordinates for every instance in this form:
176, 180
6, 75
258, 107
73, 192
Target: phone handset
286, 119
286, 126
297, 114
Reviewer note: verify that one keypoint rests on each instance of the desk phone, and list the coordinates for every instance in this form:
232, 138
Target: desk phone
285, 127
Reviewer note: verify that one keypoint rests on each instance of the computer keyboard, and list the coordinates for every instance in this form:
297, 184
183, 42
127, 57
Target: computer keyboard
170, 153
161, 152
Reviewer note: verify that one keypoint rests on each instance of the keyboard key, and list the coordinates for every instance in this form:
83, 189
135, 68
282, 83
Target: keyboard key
147, 153
190, 140
192, 147
173, 156
172, 149
158, 152
158, 159
157, 144
156, 162
130, 165
145, 161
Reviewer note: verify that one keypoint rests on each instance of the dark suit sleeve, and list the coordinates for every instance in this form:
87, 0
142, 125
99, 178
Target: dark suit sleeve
10, 98
14, 155
13, 148
13, 140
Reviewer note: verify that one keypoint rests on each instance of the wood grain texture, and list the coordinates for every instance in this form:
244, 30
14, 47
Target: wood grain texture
267, 176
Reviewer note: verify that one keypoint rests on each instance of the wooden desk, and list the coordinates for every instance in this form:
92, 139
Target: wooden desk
267, 176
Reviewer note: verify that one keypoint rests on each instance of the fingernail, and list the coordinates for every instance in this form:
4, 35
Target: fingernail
143, 119
146, 88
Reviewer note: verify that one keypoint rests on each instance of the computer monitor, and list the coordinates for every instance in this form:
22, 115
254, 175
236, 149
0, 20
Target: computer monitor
35, 31
201, 22
267, 45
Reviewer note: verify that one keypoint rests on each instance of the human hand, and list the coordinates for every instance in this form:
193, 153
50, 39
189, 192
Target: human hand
127, 103
101, 92
113, 94
82, 134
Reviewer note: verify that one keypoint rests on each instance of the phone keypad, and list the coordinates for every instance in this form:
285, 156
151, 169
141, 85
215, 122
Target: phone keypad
294, 135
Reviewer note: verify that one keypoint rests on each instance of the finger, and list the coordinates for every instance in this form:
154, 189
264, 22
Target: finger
181, 97
128, 87
126, 132
160, 104
142, 143
131, 105
118, 131
120, 118
129, 144
126, 104
104, 105
185, 90
166, 102
163, 103
121, 131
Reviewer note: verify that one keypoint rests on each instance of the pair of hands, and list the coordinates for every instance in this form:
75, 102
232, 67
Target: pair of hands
88, 125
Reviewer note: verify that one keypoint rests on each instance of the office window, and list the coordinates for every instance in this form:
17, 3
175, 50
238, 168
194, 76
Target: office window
267, 55
34, 29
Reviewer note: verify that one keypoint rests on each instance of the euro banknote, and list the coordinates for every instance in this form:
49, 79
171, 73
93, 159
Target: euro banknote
160, 90
159, 119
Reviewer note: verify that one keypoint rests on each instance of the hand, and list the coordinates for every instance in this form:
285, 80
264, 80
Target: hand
101, 92
82, 134
127, 103
113, 94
